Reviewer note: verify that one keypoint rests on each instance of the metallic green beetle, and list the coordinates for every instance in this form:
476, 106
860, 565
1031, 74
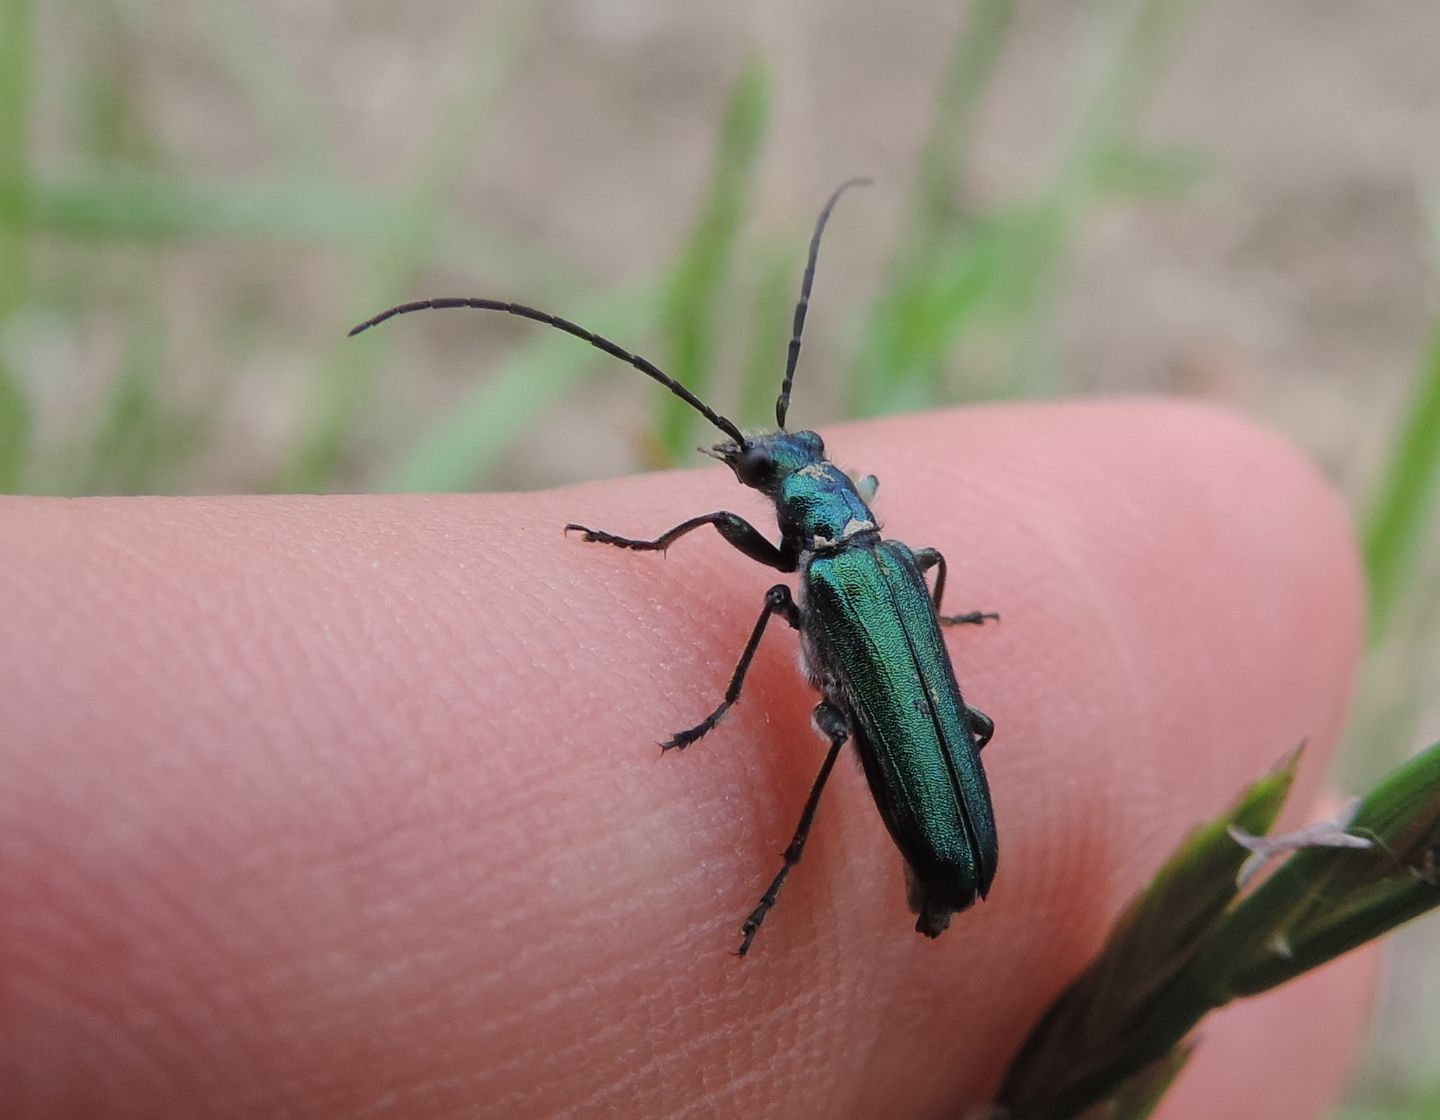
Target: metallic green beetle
870, 631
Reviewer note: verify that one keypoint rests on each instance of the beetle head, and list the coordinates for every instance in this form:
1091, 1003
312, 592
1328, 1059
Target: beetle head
764, 462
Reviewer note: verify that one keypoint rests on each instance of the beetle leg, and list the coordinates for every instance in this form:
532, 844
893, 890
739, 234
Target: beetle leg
831, 721
929, 558
736, 530
777, 600
981, 726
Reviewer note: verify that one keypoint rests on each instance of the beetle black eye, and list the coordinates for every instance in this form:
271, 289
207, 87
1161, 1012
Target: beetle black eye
754, 467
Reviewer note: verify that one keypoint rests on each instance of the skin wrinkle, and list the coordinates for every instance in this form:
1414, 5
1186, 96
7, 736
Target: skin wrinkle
181, 977
1200, 662
1129, 678
627, 593
1075, 635
43, 976
622, 1094
158, 913
454, 1072
576, 1055
112, 1068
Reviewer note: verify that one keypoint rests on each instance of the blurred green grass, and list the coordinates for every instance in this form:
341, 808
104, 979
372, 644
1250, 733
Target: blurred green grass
966, 308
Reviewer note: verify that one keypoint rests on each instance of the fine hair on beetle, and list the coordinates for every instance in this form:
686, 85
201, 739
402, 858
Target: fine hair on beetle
869, 626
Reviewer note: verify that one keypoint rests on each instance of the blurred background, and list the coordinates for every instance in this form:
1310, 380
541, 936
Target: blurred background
1219, 199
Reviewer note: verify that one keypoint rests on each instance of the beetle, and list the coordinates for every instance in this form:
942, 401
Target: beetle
869, 628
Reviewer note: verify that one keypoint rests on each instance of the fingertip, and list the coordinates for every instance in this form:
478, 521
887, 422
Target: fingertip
443, 701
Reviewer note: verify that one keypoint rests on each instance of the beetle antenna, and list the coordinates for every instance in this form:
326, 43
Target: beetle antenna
782, 404
598, 341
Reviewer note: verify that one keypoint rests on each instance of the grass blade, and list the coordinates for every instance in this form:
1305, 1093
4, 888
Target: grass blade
346, 378
1400, 513
14, 432
774, 293
957, 270
692, 314
906, 324
1324, 901
16, 75
499, 414
16, 26
1185, 947
1104, 1028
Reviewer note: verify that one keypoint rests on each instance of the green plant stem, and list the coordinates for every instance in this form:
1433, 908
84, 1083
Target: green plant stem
945, 156
16, 75
16, 29
1183, 949
912, 321
1399, 515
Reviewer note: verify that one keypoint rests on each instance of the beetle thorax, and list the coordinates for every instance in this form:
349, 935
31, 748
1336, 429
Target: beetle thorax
819, 507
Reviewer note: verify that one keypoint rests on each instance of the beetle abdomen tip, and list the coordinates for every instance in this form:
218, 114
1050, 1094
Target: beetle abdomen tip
932, 923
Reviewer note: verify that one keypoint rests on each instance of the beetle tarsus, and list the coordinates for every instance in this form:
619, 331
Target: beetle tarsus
981, 726
735, 529
929, 558
682, 739
599, 536
976, 618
